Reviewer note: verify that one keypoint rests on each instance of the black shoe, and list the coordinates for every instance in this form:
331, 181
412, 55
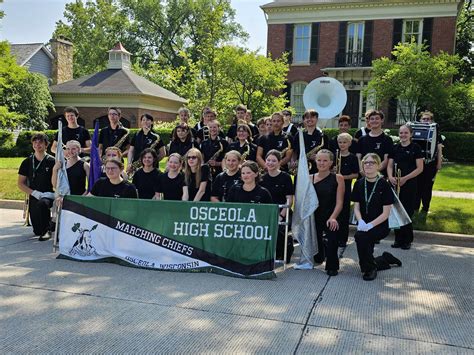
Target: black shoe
392, 260
406, 246
332, 272
44, 237
396, 245
318, 259
370, 275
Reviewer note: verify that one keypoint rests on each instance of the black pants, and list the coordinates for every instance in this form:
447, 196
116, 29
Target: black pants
407, 197
40, 215
280, 247
425, 186
365, 247
327, 244
343, 219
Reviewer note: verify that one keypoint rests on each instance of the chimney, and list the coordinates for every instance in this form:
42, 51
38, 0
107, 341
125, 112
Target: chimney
62, 50
119, 57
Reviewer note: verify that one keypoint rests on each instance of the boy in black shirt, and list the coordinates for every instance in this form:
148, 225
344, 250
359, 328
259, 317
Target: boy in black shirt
344, 127
114, 133
34, 178
73, 132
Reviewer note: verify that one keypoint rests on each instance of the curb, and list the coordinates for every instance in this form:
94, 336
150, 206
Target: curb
426, 237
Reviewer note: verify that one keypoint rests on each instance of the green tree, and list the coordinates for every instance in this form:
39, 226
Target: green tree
464, 41
413, 77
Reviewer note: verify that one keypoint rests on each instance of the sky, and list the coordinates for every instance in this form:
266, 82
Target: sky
33, 21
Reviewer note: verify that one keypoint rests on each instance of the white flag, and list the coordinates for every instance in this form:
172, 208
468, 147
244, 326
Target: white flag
306, 202
62, 184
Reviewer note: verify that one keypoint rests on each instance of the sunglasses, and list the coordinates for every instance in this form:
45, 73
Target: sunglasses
369, 163
192, 157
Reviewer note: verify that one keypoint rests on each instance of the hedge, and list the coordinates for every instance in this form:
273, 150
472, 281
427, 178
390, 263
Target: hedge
458, 146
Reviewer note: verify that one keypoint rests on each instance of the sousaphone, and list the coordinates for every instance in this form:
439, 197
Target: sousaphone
325, 95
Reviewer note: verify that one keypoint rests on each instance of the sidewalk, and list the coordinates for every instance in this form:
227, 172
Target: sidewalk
452, 194
59, 306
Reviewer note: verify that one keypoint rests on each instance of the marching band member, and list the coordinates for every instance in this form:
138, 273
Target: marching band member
344, 124
376, 141
34, 179
228, 178
314, 139
248, 120
363, 131
145, 138
181, 140
330, 191
208, 116
281, 188
405, 163
171, 182
373, 198
427, 178
145, 179
184, 114
275, 140
239, 118
113, 185
249, 191
73, 132
347, 165
197, 177
113, 153
213, 149
244, 144
262, 128
77, 170
113, 133
288, 126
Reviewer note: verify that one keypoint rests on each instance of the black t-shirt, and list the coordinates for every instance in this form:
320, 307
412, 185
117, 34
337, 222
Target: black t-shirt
291, 129
141, 141
333, 146
326, 190
172, 189
146, 183
76, 176
382, 196
222, 184
108, 137
38, 173
205, 177
349, 166
405, 157
177, 146
232, 131
271, 141
258, 195
79, 134
200, 134
104, 188
380, 145
361, 132
279, 186
210, 147
310, 141
252, 153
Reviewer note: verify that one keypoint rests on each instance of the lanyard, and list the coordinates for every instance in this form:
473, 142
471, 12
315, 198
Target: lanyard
35, 168
367, 200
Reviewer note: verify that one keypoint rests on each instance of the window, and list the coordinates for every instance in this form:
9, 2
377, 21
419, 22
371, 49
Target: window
412, 29
302, 43
405, 113
296, 100
355, 43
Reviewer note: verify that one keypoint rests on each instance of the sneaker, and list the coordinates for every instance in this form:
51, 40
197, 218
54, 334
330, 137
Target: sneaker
370, 275
304, 266
44, 237
396, 245
406, 246
332, 272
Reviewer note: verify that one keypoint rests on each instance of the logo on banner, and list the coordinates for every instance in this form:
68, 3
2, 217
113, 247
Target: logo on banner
83, 244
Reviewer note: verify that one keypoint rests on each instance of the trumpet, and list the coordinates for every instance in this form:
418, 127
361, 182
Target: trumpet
205, 133
398, 176
338, 161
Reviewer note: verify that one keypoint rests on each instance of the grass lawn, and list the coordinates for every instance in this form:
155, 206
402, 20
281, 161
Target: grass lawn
455, 177
450, 215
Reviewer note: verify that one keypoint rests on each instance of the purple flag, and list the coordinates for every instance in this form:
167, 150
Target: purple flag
95, 163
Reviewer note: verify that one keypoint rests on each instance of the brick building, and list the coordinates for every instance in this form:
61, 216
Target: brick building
116, 86
340, 38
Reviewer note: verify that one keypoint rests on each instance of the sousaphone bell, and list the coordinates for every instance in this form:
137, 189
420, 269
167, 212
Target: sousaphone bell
325, 95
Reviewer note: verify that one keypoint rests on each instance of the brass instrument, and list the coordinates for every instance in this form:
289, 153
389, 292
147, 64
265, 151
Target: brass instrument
294, 170
214, 157
398, 176
137, 164
118, 144
338, 161
205, 133
246, 153
26, 210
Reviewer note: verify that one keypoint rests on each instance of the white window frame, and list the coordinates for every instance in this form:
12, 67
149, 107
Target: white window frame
297, 39
296, 99
418, 34
354, 56
402, 105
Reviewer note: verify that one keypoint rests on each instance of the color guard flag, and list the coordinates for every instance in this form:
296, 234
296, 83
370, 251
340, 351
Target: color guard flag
62, 184
95, 163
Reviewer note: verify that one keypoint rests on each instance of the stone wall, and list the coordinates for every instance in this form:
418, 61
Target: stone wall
62, 51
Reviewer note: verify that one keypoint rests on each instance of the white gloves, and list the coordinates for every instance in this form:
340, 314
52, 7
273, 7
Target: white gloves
36, 194
364, 227
49, 195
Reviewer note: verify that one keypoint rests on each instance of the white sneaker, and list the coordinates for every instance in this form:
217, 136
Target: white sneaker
304, 266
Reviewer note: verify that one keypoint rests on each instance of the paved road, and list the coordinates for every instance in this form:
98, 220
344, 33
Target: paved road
55, 305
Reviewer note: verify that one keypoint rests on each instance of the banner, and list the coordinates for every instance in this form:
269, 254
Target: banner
227, 238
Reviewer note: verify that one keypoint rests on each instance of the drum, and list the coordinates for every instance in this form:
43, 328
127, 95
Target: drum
425, 136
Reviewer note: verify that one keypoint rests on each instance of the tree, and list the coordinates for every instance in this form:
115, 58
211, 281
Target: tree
413, 77
464, 41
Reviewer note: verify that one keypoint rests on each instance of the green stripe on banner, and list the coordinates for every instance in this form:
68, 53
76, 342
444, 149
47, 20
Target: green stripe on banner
244, 233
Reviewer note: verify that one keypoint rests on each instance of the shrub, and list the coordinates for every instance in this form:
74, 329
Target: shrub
7, 143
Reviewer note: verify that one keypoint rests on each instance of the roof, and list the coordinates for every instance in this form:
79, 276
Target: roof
290, 3
24, 52
114, 81
119, 48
